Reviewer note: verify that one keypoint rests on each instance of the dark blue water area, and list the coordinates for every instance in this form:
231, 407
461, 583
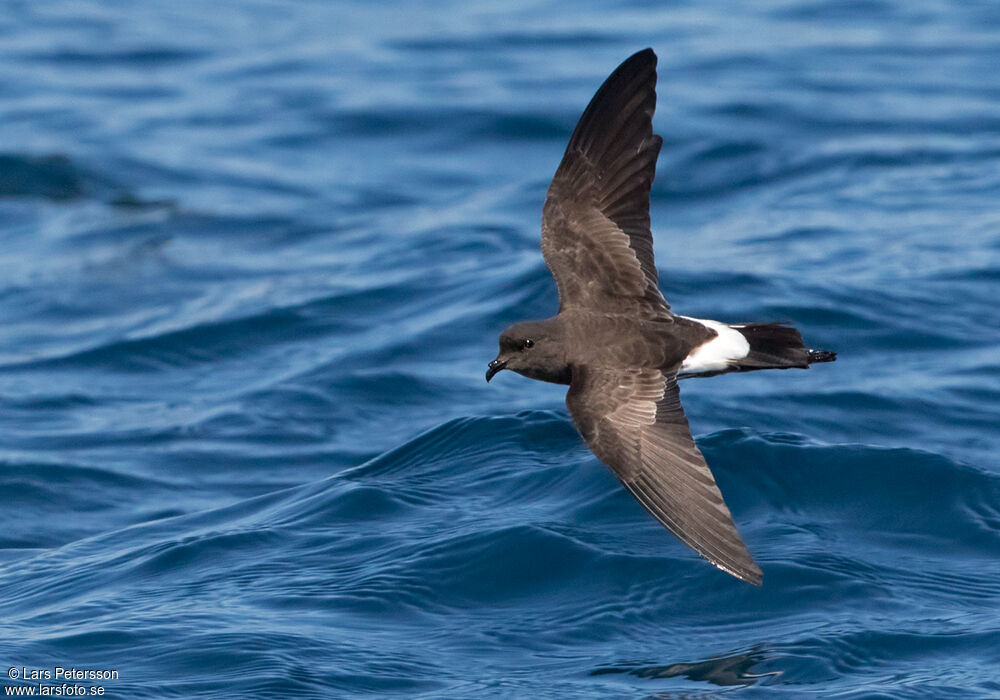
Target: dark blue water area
255, 256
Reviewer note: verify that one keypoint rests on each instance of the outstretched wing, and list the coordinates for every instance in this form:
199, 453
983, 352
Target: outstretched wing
595, 223
633, 421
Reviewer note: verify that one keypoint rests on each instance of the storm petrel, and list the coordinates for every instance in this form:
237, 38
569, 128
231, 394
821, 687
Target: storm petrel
616, 342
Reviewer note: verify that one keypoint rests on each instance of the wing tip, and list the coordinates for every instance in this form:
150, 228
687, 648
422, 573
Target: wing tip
742, 567
606, 105
646, 55
638, 63
751, 574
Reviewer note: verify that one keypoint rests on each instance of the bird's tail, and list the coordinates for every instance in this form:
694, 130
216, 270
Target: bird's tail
777, 346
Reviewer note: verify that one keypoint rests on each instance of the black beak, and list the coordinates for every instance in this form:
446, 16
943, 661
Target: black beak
495, 367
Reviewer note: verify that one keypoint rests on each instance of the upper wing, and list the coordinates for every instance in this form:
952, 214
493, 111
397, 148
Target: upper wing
633, 421
595, 223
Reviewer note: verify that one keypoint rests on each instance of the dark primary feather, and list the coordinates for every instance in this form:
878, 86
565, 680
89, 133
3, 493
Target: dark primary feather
595, 224
633, 421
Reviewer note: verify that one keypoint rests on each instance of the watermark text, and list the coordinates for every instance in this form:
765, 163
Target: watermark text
56, 681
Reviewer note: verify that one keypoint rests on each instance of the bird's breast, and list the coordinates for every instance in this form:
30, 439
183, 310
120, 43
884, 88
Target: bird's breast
553, 374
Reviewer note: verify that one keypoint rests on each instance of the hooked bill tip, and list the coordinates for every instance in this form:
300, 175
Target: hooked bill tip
494, 367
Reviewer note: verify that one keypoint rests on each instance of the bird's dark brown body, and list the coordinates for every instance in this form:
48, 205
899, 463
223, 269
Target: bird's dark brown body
655, 343
616, 342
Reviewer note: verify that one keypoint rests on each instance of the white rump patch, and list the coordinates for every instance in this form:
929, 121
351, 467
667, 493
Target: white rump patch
720, 352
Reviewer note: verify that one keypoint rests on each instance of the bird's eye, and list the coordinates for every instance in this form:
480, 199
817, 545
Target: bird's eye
528, 342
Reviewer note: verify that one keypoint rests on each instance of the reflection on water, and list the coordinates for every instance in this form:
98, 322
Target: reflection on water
728, 670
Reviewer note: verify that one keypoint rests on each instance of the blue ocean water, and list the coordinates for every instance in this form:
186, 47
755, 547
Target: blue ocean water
255, 257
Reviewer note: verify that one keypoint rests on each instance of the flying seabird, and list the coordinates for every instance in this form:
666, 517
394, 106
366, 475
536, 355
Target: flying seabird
616, 342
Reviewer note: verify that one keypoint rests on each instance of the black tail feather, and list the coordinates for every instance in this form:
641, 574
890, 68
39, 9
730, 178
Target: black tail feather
777, 346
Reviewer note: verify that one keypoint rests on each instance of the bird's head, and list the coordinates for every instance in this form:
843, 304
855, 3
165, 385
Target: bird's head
532, 349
